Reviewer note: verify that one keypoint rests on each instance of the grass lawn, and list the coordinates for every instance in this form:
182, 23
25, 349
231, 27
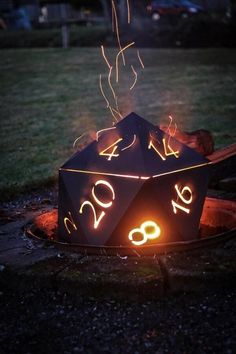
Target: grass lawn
48, 97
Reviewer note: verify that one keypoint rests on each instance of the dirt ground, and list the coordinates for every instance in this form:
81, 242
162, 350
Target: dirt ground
49, 322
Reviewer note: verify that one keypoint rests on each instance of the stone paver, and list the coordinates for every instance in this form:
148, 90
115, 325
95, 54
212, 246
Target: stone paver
209, 269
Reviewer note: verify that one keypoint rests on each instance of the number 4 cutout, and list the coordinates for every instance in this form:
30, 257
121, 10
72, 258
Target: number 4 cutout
111, 154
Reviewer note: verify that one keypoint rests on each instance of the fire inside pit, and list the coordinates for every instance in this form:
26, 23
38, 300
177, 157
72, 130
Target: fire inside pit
134, 186
217, 225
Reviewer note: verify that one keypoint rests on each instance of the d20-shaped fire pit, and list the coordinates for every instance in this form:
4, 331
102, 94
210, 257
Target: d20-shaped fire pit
134, 186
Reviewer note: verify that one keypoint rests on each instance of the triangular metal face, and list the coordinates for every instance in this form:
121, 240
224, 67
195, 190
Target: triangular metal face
76, 189
136, 148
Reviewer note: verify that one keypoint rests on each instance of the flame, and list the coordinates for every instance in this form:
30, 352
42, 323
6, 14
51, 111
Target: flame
106, 99
129, 146
101, 88
128, 11
171, 135
135, 78
117, 59
115, 112
77, 139
140, 60
110, 67
103, 130
117, 29
105, 58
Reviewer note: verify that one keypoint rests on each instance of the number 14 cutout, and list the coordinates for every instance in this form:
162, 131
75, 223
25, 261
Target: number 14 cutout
111, 151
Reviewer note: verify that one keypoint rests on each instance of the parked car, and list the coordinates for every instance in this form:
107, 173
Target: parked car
183, 8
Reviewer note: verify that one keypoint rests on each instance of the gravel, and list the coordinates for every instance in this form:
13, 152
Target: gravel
50, 322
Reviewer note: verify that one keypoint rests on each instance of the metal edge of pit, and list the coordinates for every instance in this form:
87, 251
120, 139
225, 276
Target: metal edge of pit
151, 250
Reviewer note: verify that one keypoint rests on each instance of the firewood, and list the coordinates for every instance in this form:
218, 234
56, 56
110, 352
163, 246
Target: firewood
200, 140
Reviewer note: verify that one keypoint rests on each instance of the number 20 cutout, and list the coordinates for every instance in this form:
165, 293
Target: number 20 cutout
183, 198
97, 219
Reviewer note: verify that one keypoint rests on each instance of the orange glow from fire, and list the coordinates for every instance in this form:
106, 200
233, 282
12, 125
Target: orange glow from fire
149, 231
103, 130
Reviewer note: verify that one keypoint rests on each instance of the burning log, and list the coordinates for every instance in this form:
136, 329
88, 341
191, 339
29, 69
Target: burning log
223, 164
200, 140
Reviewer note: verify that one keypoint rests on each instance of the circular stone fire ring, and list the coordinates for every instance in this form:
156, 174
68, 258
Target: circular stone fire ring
218, 224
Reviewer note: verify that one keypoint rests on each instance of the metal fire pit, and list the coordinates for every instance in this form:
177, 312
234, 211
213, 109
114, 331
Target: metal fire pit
218, 224
135, 185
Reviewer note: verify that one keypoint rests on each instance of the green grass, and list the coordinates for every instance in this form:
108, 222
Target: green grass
48, 97
51, 37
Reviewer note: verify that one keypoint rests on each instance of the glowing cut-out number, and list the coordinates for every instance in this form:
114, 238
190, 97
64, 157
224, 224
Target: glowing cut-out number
99, 202
151, 145
97, 219
171, 151
168, 151
149, 231
112, 153
183, 198
70, 221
